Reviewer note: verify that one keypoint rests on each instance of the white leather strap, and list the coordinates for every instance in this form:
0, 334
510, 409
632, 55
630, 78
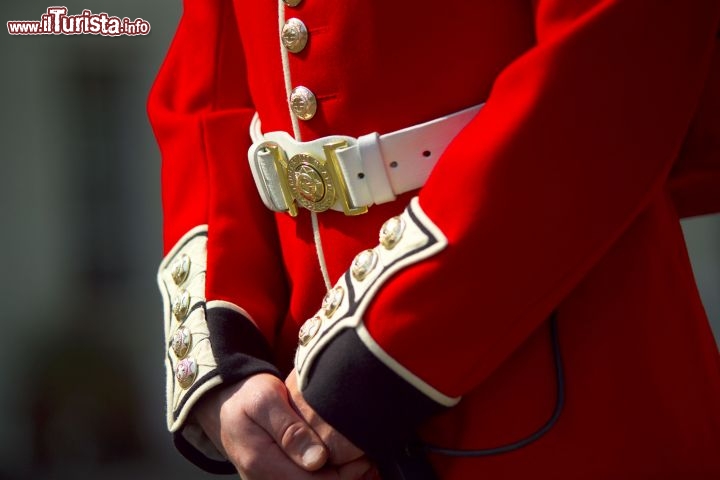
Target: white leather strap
375, 168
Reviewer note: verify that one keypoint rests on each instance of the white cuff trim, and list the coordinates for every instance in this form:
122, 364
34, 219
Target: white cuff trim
405, 240
189, 361
230, 306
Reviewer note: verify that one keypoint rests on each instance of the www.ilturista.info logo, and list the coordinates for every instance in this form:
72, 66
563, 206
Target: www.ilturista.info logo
57, 22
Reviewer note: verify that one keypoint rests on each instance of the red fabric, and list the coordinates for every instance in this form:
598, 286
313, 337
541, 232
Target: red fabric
695, 179
556, 197
200, 111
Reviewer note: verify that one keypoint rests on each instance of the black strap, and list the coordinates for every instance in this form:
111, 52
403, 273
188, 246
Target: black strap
559, 404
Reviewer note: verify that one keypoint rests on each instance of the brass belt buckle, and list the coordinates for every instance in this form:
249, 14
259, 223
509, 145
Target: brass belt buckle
313, 183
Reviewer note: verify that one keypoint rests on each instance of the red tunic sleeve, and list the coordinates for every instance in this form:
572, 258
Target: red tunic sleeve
223, 286
577, 138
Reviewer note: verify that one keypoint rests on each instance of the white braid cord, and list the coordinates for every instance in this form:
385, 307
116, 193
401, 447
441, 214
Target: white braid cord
296, 133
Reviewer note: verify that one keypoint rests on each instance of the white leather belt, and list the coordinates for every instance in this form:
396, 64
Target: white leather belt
344, 173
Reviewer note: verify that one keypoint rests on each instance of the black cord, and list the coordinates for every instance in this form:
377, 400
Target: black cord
559, 404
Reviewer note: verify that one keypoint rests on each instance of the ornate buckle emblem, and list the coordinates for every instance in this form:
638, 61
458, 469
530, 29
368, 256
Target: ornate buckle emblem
310, 183
316, 184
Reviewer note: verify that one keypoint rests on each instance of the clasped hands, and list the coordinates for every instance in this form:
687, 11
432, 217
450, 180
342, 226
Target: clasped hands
268, 432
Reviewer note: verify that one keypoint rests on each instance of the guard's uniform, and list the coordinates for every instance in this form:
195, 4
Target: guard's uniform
561, 195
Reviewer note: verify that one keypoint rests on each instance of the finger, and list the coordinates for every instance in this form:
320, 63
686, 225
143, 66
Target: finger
272, 411
271, 462
372, 474
340, 449
360, 469
259, 457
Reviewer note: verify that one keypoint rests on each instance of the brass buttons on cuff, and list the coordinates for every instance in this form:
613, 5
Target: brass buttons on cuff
292, 3
185, 372
180, 269
363, 264
333, 299
181, 342
308, 330
303, 103
181, 305
391, 232
294, 35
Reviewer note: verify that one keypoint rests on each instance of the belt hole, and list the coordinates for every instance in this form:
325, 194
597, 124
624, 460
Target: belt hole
361, 175
393, 164
427, 153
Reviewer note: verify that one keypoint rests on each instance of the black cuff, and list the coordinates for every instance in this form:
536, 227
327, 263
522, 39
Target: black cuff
201, 461
240, 351
375, 408
238, 347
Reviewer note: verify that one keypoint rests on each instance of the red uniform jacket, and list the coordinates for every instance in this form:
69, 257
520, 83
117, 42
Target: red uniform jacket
560, 199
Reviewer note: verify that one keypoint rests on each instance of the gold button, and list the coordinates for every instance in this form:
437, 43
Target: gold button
180, 269
186, 371
363, 264
309, 329
181, 342
332, 301
292, 3
391, 232
181, 305
294, 35
303, 103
